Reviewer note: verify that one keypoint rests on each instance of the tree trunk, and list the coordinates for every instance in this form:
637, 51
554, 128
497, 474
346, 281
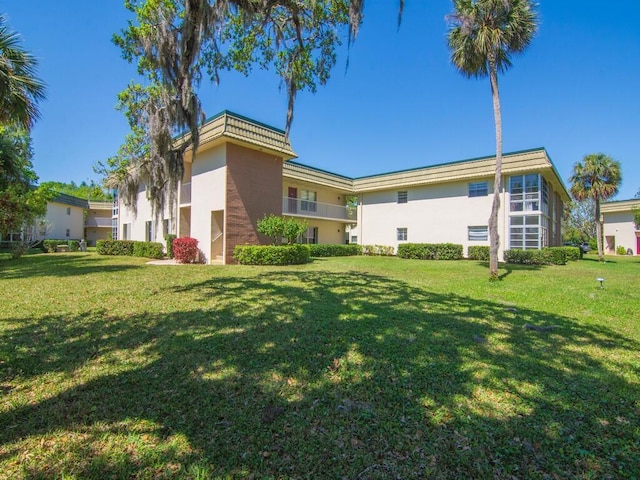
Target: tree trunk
494, 238
599, 230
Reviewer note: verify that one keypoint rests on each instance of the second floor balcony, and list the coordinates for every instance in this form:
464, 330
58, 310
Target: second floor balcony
98, 222
305, 208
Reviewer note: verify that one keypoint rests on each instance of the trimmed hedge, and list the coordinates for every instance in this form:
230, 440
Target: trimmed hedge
336, 250
478, 253
382, 250
295, 254
129, 248
185, 250
572, 253
148, 250
430, 251
546, 256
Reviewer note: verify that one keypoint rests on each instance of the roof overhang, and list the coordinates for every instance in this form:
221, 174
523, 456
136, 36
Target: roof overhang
620, 206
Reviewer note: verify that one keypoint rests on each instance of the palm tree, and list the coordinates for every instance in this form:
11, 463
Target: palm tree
483, 35
20, 89
597, 178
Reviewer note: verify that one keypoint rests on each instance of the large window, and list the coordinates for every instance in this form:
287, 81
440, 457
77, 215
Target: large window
308, 201
478, 189
525, 193
148, 231
402, 234
478, 233
525, 232
403, 196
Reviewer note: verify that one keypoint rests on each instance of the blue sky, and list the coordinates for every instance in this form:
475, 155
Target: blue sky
400, 104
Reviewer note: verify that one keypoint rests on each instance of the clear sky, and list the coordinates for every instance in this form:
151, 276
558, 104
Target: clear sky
401, 104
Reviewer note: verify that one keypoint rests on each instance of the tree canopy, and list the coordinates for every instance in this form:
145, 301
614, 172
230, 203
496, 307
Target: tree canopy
87, 191
177, 43
20, 89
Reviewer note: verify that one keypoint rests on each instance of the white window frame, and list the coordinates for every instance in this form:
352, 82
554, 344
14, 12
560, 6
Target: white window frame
403, 196
478, 189
478, 233
402, 234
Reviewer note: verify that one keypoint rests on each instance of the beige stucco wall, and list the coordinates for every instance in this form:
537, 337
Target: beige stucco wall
137, 223
621, 226
58, 221
433, 214
208, 192
324, 194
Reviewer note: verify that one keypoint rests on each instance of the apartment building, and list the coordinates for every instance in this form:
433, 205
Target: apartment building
245, 170
619, 226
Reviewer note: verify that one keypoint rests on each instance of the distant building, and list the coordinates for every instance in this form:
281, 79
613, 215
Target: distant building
619, 226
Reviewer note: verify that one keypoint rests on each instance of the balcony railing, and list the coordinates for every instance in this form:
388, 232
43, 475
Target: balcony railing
185, 194
306, 208
98, 222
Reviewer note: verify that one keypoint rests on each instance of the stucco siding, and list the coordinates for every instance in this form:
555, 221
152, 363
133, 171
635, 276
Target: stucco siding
58, 221
621, 226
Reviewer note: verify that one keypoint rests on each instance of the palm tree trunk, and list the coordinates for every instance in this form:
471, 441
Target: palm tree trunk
494, 238
599, 230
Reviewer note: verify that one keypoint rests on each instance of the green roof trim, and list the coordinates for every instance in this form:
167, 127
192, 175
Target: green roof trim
319, 170
242, 117
70, 200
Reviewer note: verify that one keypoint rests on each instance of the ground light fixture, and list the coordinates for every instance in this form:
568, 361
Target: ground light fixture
601, 280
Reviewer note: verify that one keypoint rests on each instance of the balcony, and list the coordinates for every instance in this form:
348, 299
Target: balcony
98, 222
305, 208
185, 194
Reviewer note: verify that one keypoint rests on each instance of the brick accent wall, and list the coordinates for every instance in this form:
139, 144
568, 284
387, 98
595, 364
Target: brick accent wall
254, 188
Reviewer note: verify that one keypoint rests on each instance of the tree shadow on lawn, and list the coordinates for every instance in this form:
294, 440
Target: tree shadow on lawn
299, 374
60, 265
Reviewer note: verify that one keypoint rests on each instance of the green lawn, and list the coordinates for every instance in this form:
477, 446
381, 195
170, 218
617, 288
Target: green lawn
355, 368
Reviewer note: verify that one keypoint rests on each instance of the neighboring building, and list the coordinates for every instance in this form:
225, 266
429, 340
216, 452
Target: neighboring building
64, 218
243, 172
619, 226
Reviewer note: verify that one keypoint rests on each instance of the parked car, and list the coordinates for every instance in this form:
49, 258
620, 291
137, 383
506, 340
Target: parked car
584, 246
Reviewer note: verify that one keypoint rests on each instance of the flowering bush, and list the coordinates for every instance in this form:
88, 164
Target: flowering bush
185, 250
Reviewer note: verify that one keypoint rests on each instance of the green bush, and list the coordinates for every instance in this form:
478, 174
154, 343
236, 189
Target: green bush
430, 251
572, 253
277, 228
546, 256
74, 245
148, 250
272, 254
115, 247
382, 250
336, 250
620, 250
478, 252
169, 238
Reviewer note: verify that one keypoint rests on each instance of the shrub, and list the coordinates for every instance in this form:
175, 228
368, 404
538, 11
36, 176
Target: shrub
277, 228
169, 244
271, 254
185, 250
148, 250
50, 244
115, 247
383, 250
546, 256
478, 252
74, 245
338, 250
430, 251
572, 253
555, 255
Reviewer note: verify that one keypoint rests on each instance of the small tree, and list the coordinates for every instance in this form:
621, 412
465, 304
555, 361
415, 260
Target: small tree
277, 228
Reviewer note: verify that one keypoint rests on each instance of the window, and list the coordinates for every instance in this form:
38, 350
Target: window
478, 234
68, 232
478, 189
126, 231
403, 196
354, 239
525, 193
148, 235
308, 201
402, 234
165, 227
68, 210
525, 232
310, 237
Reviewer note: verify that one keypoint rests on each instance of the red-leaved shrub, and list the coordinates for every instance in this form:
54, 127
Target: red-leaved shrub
185, 250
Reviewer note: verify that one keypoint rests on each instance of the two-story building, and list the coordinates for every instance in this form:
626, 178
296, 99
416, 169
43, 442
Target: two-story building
244, 171
619, 226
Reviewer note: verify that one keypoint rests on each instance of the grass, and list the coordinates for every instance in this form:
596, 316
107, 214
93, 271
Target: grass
358, 368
